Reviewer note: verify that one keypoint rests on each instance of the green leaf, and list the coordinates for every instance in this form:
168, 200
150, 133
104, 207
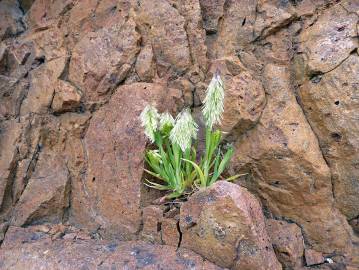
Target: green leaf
199, 172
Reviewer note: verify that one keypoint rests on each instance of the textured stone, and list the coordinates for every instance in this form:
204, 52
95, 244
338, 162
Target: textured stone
163, 26
109, 194
313, 257
272, 16
66, 97
225, 224
330, 40
11, 19
287, 241
287, 169
145, 65
50, 183
9, 137
212, 11
170, 233
330, 102
102, 59
32, 249
42, 83
152, 218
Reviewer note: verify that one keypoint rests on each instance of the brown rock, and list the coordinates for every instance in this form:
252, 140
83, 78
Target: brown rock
330, 40
330, 102
287, 241
152, 218
313, 257
225, 224
102, 59
145, 65
164, 27
10, 23
50, 183
191, 12
170, 233
286, 167
24, 248
109, 195
243, 104
236, 31
3, 228
212, 11
272, 16
66, 97
43, 80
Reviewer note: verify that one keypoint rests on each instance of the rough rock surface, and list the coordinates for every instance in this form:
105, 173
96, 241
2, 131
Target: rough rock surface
225, 224
74, 76
33, 249
287, 241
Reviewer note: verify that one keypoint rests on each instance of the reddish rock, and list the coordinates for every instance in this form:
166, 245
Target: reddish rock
109, 195
272, 17
224, 223
170, 234
152, 219
313, 257
164, 27
287, 241
330, 102
11, 16
330, 40
212, 11
196, 35
66, 97
287, 169
102, 59
145, 65
42, 83
9, 136
50, 183
236, 31
3, 228
30, 249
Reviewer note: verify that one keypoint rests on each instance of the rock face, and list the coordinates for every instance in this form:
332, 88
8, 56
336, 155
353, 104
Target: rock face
115, 144
38, 251
225, 224
287, 241
75, 75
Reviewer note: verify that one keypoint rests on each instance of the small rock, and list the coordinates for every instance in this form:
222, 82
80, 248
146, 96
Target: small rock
313, 257
287, 241
145, 66
224, 223
152, 216
66, 97
170, 233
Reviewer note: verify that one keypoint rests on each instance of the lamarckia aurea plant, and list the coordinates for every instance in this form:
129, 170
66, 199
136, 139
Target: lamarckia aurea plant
174, 162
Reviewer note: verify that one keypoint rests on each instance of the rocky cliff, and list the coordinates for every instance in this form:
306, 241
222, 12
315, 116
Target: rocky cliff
76, 74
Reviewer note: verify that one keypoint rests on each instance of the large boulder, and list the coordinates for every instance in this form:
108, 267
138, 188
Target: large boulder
225, 224
32, 248
102, 59
50, 183
330, 40
286, 167
330, 102
287, 241
108, 196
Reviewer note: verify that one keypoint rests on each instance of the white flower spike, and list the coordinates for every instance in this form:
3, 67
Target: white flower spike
166, 121
149, 120
184, 130
214, 101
